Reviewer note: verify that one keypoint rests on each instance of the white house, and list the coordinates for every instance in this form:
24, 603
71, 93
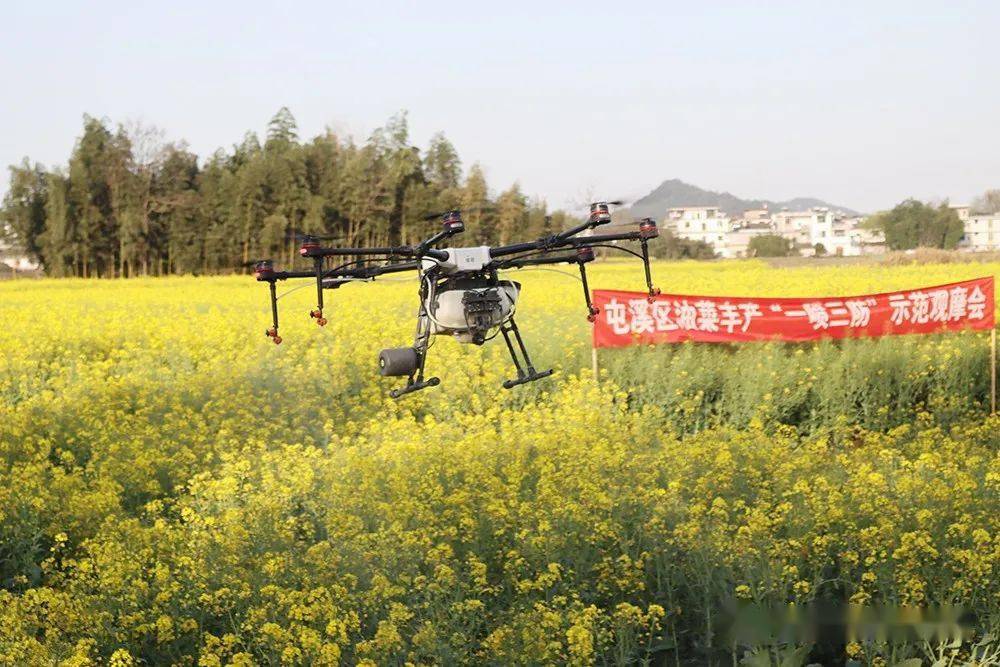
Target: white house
845, 236
738, 240
963, 211
794, 226
700, 223
838, 234
14, 258
863, 241
982, 233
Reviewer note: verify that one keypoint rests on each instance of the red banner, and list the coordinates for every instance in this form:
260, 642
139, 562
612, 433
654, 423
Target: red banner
630, 318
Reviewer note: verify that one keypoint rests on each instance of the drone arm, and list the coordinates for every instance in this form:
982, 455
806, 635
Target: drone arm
273, 276
336, 278
341, 252
581, 257
517, 248
398, 251
400, 267
519, 262
602, 238
582, 227
448, 231
564, 240
645, 233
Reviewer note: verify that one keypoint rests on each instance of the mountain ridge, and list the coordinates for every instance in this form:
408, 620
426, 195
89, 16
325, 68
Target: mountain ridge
674, 192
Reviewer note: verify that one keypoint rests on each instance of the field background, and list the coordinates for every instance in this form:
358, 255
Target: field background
176, 488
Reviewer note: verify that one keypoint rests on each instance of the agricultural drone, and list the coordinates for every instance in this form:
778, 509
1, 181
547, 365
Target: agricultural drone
461, 292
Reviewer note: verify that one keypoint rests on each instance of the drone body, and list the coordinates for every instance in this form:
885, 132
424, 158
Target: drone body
462, 294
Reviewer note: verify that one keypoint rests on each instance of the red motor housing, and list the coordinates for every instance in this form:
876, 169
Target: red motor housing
263, 270
648, 229
309, 243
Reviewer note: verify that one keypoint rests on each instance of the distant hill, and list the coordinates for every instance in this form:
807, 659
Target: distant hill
676, 192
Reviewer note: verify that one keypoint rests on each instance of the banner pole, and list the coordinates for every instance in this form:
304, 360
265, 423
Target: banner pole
993, 371
593, 361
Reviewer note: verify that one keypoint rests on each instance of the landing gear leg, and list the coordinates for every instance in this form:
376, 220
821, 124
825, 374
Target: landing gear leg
272, 333
592, 310
527, 372
415, 370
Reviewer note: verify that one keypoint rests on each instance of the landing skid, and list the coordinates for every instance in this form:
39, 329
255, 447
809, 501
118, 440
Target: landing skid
525, 372
421, 343
415, 386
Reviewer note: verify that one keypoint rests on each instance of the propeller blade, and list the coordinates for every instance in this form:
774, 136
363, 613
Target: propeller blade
435, 216
474, 209
298, 236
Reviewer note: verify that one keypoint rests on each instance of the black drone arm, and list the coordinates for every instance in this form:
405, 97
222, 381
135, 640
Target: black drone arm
596, 239
646, 232
325, 279
580, 257
393, 251
518, 248
535, 253
272, 276
334, 279
452, 225
550, 243
592, 222
569, 239
531, 260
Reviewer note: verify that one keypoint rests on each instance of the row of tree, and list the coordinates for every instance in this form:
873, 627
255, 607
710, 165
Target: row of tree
129, 204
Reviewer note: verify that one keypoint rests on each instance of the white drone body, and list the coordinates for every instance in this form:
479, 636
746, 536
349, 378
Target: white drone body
460, 260
464, 305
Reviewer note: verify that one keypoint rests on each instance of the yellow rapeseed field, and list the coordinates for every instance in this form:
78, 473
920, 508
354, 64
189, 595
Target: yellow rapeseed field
175, 489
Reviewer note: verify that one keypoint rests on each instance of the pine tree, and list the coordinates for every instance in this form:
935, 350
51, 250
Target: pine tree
441, 163
175, 211
475, 201
511, 214
91, 199
282, 130
216, 186
60, 245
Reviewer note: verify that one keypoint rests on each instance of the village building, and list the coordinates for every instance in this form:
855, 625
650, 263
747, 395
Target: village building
815, 231
709, 224
981, 231
12, 259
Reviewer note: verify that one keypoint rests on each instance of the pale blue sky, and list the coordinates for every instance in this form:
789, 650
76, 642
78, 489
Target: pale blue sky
859, 103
